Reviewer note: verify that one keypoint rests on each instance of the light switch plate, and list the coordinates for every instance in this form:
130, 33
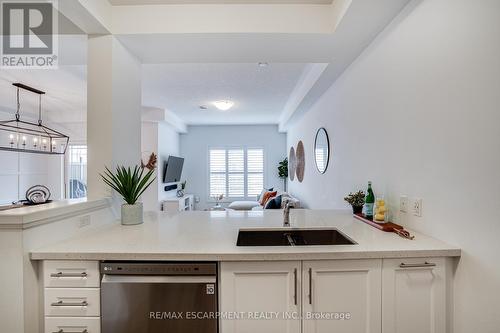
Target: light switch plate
403, 204
417, 207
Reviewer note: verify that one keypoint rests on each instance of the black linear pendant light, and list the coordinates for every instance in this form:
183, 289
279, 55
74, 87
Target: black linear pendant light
23, 136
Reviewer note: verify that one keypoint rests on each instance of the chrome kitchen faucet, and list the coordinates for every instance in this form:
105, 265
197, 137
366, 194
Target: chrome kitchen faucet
286, 214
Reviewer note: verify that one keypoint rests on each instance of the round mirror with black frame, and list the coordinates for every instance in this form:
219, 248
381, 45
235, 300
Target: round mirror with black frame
322, 150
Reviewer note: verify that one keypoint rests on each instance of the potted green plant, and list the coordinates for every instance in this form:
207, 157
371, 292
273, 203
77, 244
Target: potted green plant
356, 200
131, 184
283, 171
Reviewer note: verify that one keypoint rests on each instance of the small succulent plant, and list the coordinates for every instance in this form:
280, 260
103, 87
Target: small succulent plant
356, 199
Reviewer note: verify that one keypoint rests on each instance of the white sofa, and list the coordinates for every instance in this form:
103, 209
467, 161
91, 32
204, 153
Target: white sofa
255, 205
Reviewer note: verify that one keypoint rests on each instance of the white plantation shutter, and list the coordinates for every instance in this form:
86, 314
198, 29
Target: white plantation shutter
255, 171
236, 172
217, 163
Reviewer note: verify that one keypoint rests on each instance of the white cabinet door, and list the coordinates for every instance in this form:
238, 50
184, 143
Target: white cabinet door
257, 289
414, 295
342, 296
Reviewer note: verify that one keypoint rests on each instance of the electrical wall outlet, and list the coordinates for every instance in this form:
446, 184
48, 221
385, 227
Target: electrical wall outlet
403, 204
84, 221
417, 207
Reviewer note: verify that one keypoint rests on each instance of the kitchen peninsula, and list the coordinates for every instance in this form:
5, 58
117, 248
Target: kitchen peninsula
380, 280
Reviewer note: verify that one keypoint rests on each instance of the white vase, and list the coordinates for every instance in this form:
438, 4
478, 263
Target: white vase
132, 214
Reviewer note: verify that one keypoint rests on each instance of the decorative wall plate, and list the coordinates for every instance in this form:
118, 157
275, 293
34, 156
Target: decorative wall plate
291, 164
300, 163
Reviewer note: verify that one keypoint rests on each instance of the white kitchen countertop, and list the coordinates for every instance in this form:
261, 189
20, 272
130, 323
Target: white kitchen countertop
29, 216
212, 236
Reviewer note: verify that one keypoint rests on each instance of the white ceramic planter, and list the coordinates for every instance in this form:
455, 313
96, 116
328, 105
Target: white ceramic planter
132, 214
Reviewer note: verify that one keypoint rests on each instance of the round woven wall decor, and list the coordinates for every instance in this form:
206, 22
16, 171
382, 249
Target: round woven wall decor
300, 163
291, 164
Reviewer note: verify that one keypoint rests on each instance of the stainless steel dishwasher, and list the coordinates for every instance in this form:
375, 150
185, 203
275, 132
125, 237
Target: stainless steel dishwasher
159, 297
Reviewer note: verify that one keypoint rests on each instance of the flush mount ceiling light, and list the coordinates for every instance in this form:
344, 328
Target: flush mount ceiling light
223, 105
24, 136
263, 64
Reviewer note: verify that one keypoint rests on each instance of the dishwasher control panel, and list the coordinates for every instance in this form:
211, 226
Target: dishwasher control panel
140, 268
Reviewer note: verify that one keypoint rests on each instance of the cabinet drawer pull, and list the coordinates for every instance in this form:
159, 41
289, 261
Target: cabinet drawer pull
295, 285
310, 286
62, 275
425, 264
63, 331
61, 303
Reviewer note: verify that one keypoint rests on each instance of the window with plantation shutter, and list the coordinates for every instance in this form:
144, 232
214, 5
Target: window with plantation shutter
236, 172
255, 172
218, 179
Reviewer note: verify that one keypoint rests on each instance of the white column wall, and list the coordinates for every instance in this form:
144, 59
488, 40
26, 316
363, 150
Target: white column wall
127, 106
114, 110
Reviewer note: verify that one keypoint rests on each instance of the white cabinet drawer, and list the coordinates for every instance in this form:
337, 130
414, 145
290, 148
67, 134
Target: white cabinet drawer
72, 302
68, 274
72, 325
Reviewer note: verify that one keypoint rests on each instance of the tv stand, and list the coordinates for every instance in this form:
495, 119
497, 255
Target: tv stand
184, 203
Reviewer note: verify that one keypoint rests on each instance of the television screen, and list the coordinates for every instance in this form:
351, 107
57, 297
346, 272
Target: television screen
173, 169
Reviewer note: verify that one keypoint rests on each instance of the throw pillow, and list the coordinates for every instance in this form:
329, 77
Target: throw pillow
274, 203
267, 196
259, 197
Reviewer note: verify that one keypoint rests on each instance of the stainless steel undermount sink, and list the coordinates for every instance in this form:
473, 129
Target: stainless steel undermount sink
292, 237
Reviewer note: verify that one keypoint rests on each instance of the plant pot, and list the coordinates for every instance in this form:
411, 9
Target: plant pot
132, 214
357, 209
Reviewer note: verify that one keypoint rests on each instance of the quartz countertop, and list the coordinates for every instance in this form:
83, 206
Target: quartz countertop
29, 216
211, 236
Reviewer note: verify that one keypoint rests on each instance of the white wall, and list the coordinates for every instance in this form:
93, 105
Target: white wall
163, 140
418, 114
194, 148
20, 171
20, 303
168, 144
113, 110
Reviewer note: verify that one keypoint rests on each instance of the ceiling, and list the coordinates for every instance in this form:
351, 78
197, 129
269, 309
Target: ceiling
259, 93
183, 2
65, 100
183, 71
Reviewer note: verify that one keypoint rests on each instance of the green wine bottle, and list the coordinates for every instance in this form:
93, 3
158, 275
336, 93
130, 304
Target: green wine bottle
369, 202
